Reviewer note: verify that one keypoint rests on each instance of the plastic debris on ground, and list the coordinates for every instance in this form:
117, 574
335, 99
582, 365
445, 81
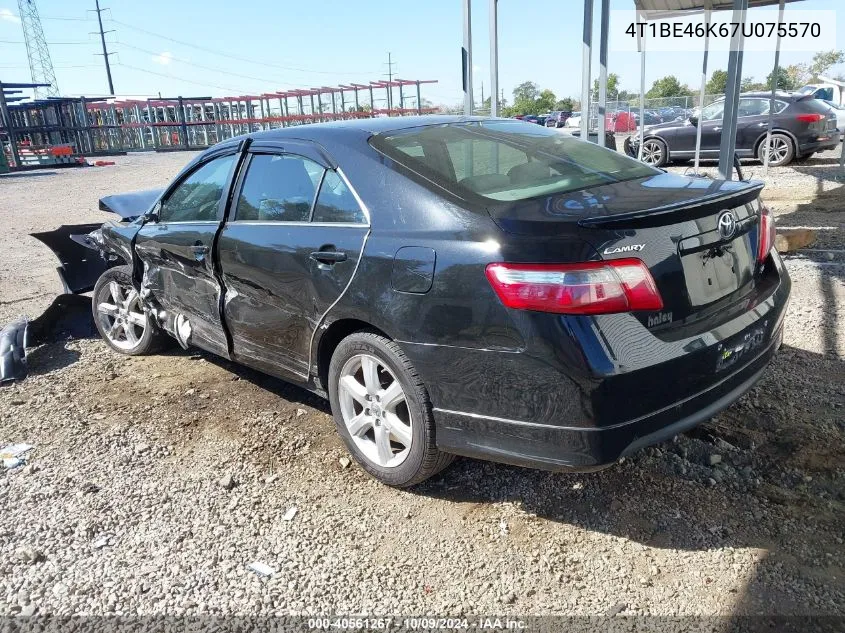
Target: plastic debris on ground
261, 569
288, 516
13, 454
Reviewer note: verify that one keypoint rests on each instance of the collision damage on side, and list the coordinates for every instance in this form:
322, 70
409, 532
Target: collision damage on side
525, 297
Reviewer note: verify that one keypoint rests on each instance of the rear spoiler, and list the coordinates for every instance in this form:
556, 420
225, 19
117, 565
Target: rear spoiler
686, 210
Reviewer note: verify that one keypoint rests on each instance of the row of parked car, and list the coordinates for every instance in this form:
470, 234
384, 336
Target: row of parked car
803, 125
617, 120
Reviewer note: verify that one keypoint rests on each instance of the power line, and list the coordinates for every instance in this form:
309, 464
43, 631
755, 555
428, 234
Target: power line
216, 70
48, 43
234, 57
189, 81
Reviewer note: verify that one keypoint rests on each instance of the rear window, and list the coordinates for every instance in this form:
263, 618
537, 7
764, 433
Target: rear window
506, 161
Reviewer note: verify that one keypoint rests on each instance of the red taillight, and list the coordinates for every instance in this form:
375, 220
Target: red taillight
767, 234
809, 118
621, 285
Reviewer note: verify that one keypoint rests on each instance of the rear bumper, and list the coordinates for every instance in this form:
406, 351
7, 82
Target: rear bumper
551, 447
817, 146
586, 391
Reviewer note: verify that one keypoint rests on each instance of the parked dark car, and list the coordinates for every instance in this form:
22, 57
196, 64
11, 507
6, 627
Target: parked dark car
558, 118
531, 118
802, 126
456, 285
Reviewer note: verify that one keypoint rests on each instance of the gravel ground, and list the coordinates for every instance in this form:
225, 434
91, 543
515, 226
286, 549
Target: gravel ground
155, 481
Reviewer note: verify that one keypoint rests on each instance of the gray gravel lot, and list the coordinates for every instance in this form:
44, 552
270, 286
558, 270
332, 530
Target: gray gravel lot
123, 508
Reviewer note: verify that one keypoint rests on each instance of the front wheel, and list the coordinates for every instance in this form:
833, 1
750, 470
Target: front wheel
655, 152
382, 411
119, 315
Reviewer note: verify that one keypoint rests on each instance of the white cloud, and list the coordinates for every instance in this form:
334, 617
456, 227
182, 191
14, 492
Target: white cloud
6, 15
163, 58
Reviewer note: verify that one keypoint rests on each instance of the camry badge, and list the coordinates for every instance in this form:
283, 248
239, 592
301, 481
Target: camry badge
726, 225
635, 248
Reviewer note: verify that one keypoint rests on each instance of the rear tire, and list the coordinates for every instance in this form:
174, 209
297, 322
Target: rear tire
382, 411
783, 150
119, 316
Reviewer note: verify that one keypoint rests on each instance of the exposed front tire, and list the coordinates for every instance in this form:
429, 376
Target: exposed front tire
120, 317
782, 152
382, 411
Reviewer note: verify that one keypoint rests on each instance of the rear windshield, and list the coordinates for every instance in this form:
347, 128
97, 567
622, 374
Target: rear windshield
506, 161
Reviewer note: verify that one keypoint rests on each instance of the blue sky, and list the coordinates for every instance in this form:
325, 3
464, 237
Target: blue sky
332, 41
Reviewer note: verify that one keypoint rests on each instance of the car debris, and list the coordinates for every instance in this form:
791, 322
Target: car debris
13, 455
262, 569
288, 516
82, 255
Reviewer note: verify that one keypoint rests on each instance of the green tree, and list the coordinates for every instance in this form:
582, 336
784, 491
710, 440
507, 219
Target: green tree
718, 83
668, 87
749, 85
564, 104
526, 91
786, 80
546, 101
823, 61
612, 87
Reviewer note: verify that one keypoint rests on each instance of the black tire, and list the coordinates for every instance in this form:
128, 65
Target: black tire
424, 459
152, 338
778, 139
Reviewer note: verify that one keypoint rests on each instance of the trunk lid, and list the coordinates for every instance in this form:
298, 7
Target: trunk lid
672, 223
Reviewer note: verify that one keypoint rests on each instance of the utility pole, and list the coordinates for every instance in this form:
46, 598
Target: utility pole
482, 94
103, 41
390, 65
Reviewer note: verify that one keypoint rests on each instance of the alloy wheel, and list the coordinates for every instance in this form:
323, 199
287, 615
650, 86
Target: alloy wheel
121, 316
652, 153
778, 149
375, 410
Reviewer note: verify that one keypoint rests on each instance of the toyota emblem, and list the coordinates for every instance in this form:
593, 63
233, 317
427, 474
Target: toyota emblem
726, 225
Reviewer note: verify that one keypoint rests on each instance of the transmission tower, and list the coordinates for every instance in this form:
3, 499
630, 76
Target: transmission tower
40, 64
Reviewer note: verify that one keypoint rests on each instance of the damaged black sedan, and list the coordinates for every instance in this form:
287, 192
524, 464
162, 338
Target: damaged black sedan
453, 285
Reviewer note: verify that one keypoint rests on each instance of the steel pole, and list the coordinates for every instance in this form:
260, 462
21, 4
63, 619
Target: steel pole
601, 134
494, 58
466, 59
727, 147
707, 15
586, 62
641, 40
774, 90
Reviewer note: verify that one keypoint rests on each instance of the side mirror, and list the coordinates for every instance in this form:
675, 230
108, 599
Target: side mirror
152, 214
693, 119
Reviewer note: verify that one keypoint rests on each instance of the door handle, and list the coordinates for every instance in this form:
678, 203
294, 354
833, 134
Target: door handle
716, 129
328, 257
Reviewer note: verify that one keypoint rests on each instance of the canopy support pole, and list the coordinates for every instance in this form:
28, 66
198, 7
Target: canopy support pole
466, 58
707, 11
601, 136
641, 44
727, 146
775, 74
494, 58
586, 60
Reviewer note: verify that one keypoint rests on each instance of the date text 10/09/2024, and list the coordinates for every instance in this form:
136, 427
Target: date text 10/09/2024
417, 624
724, 29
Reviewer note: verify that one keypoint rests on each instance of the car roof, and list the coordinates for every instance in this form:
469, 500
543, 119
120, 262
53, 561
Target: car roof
375, 125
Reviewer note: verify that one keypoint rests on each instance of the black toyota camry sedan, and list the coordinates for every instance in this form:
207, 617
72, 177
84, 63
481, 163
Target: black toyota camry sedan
480, 287
802, 126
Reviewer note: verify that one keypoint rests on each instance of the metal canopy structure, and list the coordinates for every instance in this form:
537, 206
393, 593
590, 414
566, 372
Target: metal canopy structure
739, 8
